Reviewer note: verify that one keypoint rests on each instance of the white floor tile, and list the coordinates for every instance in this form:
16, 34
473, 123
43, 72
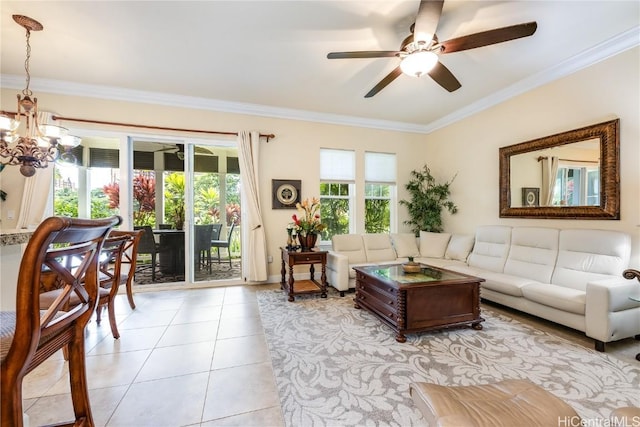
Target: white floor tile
176, 401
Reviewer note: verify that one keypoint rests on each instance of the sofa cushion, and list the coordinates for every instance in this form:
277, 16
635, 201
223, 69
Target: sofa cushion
533, 253
378, 247
588, 255
433, 245
405, 245
504, 283
560, 297
350, 245
459, 247
491, 248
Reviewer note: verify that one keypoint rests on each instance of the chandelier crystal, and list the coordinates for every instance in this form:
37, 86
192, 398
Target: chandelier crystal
36, 145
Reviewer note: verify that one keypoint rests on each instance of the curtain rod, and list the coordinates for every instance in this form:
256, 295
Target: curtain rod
102, 122
570, 160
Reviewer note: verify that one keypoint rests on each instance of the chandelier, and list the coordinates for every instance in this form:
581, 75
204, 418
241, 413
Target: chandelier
23, 140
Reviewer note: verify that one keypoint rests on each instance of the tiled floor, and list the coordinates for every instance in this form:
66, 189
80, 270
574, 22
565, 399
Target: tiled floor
185, 358
190, 358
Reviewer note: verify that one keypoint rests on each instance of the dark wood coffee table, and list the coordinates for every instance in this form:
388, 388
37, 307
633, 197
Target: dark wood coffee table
435, 298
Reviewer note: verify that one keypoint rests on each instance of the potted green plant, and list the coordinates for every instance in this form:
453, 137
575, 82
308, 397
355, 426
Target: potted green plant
177, 216
428, 199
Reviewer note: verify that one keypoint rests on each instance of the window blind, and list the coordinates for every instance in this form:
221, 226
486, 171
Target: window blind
337, 165
380, 167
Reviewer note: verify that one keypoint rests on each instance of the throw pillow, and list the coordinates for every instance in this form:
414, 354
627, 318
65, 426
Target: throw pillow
405, 245
433, 245
459, 247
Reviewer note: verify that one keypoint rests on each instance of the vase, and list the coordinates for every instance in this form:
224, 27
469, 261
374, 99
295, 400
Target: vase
307, 242
412, 267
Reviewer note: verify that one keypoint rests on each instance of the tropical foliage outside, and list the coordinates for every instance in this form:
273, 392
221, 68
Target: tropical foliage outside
105, 201
334, 209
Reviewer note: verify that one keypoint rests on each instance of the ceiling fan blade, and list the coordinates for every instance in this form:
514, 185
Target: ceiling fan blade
441, 75
427, 20
384, 82
363, 54
490, 37
166, 149
201, 150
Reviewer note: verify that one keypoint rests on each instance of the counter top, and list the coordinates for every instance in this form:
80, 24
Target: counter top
14, 237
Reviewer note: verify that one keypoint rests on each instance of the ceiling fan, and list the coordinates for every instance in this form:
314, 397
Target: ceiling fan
179, 150
421, 49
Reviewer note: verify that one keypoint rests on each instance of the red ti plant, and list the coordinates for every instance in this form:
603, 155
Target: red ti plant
144, 196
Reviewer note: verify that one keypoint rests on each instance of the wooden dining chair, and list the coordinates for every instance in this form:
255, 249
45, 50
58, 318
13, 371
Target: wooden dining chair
66, 251
111, 278
109, 266
130, 259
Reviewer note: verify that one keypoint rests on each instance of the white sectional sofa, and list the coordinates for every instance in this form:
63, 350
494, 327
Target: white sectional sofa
572, 277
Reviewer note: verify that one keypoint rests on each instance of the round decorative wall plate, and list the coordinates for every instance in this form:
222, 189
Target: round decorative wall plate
286, 193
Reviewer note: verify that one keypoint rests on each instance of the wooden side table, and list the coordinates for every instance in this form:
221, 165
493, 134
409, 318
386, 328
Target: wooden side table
636, 299
294, 287
630, 274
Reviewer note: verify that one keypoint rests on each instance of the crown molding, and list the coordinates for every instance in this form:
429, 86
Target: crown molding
12, 81
618, 44
614, 46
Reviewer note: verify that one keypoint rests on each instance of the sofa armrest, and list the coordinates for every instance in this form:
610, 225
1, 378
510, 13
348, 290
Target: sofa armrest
611, 295
609, 313
338, 270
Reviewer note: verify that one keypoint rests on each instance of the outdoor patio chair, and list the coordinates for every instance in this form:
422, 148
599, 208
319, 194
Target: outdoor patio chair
148, 246
29, 335
202, 241
224, 244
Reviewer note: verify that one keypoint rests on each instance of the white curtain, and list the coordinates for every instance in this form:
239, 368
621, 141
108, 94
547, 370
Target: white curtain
35, 203
254, 248
549, 172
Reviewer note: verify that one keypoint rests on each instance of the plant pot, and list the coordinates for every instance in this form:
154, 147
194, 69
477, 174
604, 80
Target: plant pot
307, 242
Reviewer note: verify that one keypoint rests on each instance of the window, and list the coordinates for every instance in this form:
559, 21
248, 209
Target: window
379, 192
577, 186
337, 183
65, 190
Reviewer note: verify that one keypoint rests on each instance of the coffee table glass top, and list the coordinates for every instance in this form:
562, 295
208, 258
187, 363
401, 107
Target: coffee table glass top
397, 274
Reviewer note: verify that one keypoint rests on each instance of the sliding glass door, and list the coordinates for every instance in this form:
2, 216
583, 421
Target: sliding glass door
184, 194
215, 213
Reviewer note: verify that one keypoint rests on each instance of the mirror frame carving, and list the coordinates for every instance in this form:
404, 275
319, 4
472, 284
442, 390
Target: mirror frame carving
609, 135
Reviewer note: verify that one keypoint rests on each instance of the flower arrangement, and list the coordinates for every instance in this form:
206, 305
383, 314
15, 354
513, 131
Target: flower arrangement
308, 222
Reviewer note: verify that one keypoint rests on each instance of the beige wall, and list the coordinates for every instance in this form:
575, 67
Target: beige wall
293, 154
605, 91
468, 148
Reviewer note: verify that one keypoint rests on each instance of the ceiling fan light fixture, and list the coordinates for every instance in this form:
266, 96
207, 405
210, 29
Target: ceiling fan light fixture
418, 63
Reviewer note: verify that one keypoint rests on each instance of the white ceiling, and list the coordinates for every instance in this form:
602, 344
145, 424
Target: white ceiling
269, 57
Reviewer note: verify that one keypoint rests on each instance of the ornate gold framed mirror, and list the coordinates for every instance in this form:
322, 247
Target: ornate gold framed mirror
577, 174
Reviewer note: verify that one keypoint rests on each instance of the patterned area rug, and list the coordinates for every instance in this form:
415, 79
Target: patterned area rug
338, 366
